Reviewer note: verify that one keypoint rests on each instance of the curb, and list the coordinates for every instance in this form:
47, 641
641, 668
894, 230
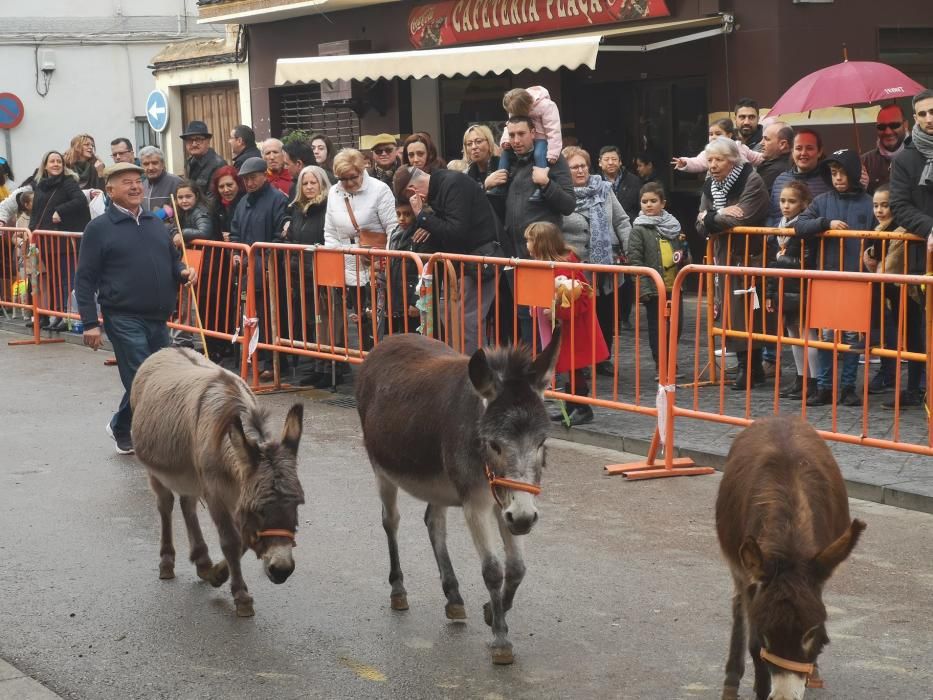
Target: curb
16, 685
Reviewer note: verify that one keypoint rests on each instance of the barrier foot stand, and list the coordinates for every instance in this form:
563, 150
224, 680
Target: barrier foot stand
649, 469
277, 389
33, 341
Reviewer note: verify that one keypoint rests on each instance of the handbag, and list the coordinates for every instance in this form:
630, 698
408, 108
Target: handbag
367, 239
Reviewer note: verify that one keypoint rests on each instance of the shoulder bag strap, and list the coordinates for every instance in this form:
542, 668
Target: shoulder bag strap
356, 226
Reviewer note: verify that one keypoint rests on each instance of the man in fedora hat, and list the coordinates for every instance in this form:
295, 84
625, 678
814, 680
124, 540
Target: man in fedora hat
131, 265
385, 158
202, 159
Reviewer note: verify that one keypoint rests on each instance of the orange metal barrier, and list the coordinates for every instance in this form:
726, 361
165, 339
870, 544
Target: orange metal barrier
306, 304
834, 302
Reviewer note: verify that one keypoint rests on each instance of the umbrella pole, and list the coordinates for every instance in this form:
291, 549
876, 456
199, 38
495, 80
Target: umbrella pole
858, 143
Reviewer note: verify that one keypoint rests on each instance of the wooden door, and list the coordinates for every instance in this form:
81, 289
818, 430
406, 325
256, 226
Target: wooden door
218, 106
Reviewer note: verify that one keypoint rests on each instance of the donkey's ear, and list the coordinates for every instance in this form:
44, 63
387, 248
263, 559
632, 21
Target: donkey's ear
753, 561
826, 561
246, 449
545, 362
291, 434
481, 375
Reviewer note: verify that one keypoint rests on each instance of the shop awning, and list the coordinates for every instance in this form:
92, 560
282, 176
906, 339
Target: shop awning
551, 54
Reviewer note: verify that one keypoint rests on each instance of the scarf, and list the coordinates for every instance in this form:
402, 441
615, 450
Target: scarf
591, 201
666, 224
889, 155
923, 142
720, 190
785, 223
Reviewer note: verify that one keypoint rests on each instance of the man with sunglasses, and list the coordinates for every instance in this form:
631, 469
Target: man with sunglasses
892, 131
202, 159
385, 158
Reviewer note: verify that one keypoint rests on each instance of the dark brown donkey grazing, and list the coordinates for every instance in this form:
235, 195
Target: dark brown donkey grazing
459, 431
201, 434
782, 516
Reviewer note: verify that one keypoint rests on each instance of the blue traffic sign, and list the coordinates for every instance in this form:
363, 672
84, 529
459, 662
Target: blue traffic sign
11, 110
157, 110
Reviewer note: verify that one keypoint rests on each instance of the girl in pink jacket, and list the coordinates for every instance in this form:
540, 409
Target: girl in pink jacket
699, 164
535, 103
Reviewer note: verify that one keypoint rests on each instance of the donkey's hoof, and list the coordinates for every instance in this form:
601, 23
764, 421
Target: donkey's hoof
455, 611
487, 614
166, 571
218, 574
244, 608
399, 602
730, 692
502, 656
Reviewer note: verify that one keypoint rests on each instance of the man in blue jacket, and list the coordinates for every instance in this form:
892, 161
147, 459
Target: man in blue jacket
129, 261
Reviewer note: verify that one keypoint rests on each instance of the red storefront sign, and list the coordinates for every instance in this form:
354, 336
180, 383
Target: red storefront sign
468, 21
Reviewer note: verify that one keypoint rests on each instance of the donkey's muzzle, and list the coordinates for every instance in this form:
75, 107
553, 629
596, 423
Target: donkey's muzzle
520, 523
279, 564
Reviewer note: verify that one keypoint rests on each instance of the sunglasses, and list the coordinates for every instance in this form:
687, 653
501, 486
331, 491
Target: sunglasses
893, 126
383, 150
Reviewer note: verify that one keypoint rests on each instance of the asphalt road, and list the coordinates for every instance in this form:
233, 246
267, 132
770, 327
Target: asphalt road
625, 597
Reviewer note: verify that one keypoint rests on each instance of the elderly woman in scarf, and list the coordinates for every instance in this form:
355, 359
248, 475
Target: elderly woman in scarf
735, 195
598, 232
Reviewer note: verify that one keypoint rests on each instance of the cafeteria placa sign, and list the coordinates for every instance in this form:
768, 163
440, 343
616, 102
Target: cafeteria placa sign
469, 21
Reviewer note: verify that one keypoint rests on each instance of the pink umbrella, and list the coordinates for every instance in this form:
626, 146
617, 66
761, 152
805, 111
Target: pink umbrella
845, 84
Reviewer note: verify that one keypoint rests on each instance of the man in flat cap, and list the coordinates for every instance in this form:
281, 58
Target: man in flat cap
202, 159
129, 261
385, 158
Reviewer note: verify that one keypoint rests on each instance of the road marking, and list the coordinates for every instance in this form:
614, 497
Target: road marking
367, 673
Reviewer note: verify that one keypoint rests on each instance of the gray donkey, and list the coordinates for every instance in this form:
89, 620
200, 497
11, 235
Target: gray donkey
459, 431
201, 434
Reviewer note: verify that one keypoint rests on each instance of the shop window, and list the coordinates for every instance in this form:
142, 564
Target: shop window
468, 101
145, 136
302, 108
909, 49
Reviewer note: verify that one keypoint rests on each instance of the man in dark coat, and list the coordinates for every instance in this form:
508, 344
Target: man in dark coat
626, 185
523, 179
132, 266
461, 220
912, 204
892, 132
243, 145
776, 140
202, 159
746, 120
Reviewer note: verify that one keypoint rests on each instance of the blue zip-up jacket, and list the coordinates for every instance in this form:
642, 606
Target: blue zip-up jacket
259, 217
855, 208
815, 180
134, 268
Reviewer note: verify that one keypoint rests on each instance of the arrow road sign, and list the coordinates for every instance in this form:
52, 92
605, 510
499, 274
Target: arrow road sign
157, 110
11, 110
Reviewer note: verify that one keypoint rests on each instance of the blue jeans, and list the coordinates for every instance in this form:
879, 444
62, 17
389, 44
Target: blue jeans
133, 340
848, 360
539, 155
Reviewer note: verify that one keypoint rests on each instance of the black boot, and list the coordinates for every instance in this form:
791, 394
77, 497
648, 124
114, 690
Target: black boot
583, 413
795, 390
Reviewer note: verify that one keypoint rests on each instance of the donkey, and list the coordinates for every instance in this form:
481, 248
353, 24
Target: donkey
201, 434
783, 522
459, 431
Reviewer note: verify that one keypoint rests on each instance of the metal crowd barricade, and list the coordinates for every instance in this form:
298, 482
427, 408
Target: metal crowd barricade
836, 301
221, 294
304, 306
521, 290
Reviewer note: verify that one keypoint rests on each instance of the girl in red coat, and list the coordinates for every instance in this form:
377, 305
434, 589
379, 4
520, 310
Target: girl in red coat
583, 345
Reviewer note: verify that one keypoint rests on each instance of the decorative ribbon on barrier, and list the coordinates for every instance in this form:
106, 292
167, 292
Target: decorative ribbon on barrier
660, 401
754, 292
425, 304
254, 340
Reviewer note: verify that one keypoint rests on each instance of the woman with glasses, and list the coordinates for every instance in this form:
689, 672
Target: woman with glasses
357, 204
598, 231
82, 160
481, 152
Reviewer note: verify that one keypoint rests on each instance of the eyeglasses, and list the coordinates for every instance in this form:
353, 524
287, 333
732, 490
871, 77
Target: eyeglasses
117, 154
582, 166
893, 126
350, 179
383, 150
474, 142
923, 113
195, 139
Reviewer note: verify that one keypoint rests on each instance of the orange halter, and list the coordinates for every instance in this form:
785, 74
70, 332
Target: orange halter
288, 534
794, 666
512, 484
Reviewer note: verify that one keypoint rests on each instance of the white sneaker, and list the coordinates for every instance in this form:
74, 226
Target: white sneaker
124, 444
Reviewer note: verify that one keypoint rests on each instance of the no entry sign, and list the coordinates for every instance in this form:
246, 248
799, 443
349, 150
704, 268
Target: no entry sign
11, 110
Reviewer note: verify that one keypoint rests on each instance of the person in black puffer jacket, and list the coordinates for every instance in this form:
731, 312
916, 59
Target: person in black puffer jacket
306, 227
59, 205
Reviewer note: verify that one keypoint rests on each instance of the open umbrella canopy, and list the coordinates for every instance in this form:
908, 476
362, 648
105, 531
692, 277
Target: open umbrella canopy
847, 83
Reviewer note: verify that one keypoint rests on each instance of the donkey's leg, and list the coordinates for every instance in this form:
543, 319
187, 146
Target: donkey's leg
232, 547
735, 663
166, 501
435, 517
198, 556
388, 492
514, 567
762, 674
481, 520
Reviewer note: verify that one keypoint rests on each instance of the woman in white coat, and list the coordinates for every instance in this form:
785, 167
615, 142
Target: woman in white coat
356, 203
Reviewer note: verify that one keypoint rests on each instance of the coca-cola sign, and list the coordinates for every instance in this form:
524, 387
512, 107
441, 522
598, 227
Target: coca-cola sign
469, 21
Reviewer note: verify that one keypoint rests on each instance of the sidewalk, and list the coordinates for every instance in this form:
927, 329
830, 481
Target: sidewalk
15, 685
883, 476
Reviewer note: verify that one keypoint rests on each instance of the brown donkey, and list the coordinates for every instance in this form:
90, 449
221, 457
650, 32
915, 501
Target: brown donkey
201, 434
783, 522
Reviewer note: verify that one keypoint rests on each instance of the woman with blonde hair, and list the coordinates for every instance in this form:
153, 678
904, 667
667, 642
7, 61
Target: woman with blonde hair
480, 151
357, 203
83, 161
